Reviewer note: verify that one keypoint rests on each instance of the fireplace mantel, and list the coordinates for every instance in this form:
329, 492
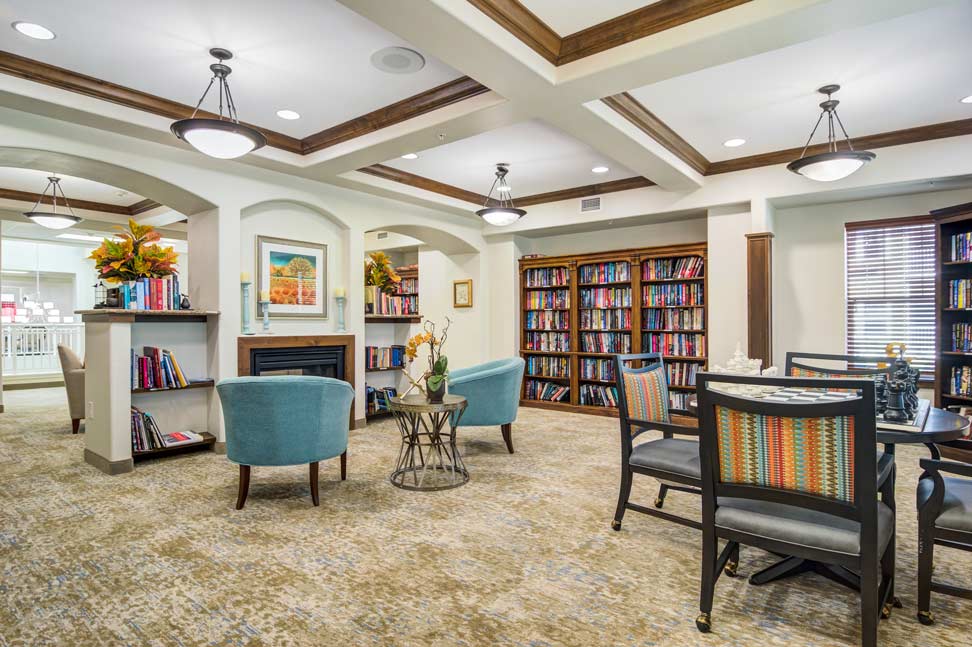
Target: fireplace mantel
246, 343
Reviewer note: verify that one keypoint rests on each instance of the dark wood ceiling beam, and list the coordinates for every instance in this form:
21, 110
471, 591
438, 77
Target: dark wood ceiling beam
88, 205
524, 24
419, 182
867, 142
584, 191
142, 206
632, 110
414, 106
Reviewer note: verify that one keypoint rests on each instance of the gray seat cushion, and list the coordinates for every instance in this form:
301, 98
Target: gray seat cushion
800, 526
957, 505
674, 455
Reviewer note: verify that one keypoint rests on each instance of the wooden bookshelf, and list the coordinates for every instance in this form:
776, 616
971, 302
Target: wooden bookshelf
197, 384
207, 442
601, 310
395, 332
953, 221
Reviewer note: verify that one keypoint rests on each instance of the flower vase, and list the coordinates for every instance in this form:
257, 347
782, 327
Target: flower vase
434, 396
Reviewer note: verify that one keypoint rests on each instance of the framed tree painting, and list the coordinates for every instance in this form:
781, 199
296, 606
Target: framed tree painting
462, 294
294, 274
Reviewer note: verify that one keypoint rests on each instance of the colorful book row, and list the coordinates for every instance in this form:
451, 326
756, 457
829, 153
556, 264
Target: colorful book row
962, 337
376, 400
678, 400
385, 304
605, 319
597, 395
151, 294
156, 369
679, 344
546, 320
685, 267
546, 391
960, 293
408, 286
682, 373
548, 366
384, 357
673, 319
961, 380
547, 299
960, 247
544, 277
604, 272
605, 298
679, 294
593, 368
605, 342
547, 341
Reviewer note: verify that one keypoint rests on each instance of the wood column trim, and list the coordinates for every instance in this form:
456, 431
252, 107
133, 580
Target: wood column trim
759, 282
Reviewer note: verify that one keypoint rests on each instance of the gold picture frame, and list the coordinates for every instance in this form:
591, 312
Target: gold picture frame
462, 294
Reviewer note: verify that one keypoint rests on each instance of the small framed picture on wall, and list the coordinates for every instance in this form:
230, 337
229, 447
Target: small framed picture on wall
462, 294
294, 275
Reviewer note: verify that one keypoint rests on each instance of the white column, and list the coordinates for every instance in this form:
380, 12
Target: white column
107, 393
727, 325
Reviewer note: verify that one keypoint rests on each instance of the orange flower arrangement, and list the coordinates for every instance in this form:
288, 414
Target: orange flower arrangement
134, 256
438, 363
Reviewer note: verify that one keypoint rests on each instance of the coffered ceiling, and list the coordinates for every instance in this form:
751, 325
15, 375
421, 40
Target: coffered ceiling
569, 16
32, 181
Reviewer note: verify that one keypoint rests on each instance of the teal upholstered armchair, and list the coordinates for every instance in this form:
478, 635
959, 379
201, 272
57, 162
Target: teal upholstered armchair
493, 393
285, 420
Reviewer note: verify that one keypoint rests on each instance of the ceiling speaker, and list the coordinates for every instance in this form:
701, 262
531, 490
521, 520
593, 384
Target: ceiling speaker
398, 60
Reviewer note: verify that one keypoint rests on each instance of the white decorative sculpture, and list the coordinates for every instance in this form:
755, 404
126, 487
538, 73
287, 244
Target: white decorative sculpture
739, 364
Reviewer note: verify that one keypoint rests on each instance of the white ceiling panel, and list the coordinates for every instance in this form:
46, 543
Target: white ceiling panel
21, 179
311, 56
907, 72
541, 158
569, 16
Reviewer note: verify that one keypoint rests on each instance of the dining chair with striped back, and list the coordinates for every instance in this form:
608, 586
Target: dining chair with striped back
797, 365
800, 480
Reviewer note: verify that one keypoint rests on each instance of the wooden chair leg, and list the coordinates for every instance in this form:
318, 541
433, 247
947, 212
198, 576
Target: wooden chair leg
926, 560
244, 486
315, 494
870, 602
710, 558
344, 466
508, 436
75, 425
623, 493
660, 499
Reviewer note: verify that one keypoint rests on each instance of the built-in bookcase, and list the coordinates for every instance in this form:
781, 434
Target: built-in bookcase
391, 320
953, 380
579, 311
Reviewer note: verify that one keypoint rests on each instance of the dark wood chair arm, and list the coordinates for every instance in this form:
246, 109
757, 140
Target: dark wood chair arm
683, 412
931, 466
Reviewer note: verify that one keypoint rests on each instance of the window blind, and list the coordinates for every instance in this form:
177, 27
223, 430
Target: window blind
890, 288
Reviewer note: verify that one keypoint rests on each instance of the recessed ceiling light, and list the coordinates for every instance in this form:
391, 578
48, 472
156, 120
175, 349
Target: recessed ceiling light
409, 156
33, 30
967, 99
600, 169
398, 60
289, 115
733, 143
85, 237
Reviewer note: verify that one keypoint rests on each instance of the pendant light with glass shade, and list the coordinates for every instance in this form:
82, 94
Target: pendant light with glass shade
52, 219
502, 212
223, 138
833, 164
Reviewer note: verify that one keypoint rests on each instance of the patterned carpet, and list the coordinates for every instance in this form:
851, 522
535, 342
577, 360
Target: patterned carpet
522, 555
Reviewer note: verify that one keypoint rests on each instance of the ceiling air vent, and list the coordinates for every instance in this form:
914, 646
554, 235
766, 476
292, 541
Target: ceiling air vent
382, 234
590, 204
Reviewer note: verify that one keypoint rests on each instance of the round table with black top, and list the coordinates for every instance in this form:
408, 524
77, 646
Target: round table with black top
941, 426
428, 458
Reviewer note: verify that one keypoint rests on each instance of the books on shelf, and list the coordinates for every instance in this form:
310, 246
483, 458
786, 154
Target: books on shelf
543, 277
595, 368
384, 357
962, 337
157, 368
961, 381
679, 344
613, 272
678, 400
614, 297
673, 319
685, 267
379, 303
597, 395
547, 366
376, 400
960, 293
960, 247
591, 319
546, 391
151, 294
407, 286
676, 294
147, 436
681, 373
546, 320
547, 299
547, 341
605, 342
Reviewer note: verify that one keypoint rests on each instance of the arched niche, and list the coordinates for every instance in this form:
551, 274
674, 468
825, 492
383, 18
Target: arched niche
438, 239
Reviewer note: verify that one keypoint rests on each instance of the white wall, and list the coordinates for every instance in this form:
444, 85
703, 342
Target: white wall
612, 237
728, 321
467, 344
808, 266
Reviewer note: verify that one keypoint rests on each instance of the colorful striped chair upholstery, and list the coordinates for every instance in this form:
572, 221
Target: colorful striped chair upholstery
644, 405
797, 479
796, 368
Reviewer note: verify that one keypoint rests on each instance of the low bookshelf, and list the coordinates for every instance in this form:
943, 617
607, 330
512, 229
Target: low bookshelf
581, 310
389, 319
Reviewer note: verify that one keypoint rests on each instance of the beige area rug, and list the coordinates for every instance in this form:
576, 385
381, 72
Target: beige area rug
522, 555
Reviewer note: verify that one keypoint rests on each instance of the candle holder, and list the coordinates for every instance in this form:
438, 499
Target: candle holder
341, 301
265, 305
245, 301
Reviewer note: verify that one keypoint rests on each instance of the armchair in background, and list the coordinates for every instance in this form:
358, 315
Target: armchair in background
492, 391
73, 369
285, 420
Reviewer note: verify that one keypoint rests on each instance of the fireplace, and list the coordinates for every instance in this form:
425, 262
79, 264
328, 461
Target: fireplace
322, 361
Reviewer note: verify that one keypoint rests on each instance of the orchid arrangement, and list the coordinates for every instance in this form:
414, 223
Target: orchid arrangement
438, 363
133, 254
